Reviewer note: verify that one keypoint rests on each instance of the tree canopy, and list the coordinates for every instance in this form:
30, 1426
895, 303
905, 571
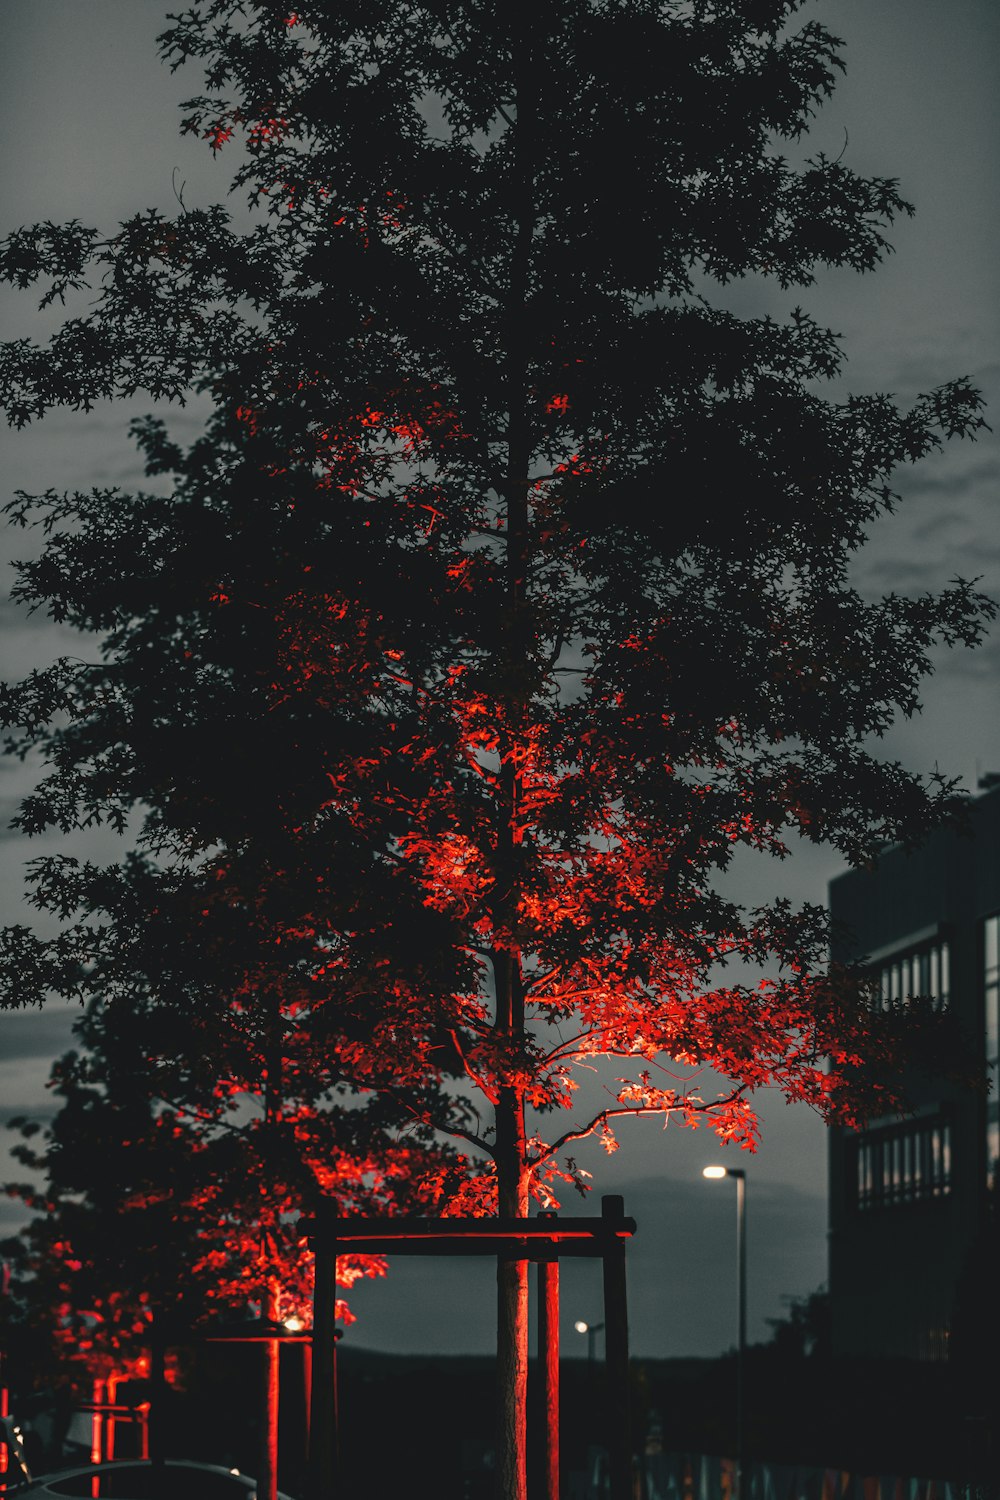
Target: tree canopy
507, 592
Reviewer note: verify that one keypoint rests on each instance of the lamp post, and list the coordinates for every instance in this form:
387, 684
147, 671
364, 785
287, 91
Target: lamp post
591, 1330
741, 1301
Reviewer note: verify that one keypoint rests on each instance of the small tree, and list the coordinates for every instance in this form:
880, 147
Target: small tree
113, 1243
202, 1113
157, 1215
509, 583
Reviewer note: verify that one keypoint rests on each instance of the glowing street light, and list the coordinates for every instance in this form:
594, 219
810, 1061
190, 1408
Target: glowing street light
591, 1330
715, 1172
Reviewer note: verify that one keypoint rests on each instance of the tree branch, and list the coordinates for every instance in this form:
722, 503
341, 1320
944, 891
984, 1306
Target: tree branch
489, 1093
612, 1112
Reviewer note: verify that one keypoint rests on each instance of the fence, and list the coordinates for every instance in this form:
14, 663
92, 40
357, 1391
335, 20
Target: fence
681, 1476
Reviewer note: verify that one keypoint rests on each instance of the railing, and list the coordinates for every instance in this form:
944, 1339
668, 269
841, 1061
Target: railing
680, 1476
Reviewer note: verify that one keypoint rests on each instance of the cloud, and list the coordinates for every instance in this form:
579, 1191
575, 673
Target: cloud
8, 809
956, 476
36, 1034
13, 1216
43, 1113
944, 527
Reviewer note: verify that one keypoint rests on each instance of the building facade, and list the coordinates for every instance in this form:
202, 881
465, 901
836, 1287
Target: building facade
910, 1198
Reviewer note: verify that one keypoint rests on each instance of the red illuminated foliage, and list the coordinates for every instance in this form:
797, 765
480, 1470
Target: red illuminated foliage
182, 1153
211, 1105
503, 600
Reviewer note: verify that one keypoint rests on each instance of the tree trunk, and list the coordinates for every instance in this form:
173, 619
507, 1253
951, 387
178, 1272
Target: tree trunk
512, 1379
323, 1440
512, 1308
267, 1476
510, 1146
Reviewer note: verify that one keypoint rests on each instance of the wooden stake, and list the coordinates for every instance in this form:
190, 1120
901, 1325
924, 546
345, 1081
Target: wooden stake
323, 1402
616, 1355
548, 1364
157, 1408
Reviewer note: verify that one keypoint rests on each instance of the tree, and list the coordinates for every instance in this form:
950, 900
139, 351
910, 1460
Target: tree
194, 1130
804, 1331
113, 1243
509, 583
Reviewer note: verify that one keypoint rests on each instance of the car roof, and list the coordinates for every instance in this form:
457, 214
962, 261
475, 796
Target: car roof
40, 1484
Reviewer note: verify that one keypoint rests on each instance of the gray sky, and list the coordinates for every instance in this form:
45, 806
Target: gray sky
88, 129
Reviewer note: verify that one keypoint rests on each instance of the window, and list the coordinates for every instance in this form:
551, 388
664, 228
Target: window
991, 998
906, 1163
924, 971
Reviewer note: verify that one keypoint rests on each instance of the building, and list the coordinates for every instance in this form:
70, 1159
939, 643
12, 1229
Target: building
910, 1198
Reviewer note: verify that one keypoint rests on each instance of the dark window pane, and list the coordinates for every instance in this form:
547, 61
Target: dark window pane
904, 1165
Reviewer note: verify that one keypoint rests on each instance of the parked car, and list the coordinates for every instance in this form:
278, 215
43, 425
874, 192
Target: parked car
133, 1479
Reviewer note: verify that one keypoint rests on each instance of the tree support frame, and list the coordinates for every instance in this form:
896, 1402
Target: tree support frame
546, 1240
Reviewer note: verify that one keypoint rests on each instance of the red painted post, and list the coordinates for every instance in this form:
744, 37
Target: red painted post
109, 1428
96, 1424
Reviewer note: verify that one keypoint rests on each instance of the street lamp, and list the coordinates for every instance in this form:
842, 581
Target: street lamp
591, 1330
741, 1301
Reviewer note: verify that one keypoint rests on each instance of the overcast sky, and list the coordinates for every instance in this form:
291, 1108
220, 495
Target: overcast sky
88, 130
